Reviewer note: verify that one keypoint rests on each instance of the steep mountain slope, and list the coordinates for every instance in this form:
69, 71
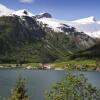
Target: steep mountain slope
23, 39
90, 53
16, 37
80, 37
28, 38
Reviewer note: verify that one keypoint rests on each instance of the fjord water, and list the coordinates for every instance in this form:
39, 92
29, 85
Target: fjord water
39, 81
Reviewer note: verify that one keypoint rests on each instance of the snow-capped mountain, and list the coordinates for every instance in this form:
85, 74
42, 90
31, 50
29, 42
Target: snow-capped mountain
90, 26
21, 30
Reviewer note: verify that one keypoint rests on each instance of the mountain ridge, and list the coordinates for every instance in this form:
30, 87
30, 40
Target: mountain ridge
89, 25
90, 19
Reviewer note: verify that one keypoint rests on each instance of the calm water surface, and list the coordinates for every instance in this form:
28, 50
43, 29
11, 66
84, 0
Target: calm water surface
39, 81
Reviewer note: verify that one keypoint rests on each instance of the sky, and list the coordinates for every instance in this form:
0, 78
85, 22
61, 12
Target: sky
61, 9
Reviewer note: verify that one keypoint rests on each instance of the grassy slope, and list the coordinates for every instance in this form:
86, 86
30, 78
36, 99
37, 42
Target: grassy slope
90, 63
91, 53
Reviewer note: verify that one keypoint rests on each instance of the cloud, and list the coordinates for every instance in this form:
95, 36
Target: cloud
26, 1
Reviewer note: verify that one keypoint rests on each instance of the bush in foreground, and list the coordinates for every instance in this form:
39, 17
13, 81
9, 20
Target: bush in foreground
73, 87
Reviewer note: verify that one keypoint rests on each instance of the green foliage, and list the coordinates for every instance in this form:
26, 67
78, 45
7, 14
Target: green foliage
90, 53
19, 92
73, 87
88, 64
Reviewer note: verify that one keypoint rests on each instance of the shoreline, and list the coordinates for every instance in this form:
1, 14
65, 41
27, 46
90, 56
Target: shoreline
55, 69
31, 68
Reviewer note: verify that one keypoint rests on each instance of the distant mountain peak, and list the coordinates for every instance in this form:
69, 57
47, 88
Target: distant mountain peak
44, 15
90, 19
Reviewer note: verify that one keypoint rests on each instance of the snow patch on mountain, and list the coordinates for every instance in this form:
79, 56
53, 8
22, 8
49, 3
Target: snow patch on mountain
87, 20
52, 23
4, 11
89, 25
23, 13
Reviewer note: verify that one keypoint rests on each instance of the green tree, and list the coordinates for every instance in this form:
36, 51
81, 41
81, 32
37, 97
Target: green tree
73, 87
19, 92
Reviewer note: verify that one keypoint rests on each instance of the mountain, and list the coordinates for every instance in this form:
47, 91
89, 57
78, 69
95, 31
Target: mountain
57, 26
90, 26
25, 37
25, 40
